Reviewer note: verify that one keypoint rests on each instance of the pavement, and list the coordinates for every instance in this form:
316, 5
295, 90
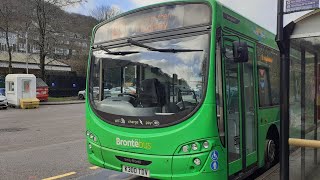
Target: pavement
271, 174
48, 142
63, 102
312, 171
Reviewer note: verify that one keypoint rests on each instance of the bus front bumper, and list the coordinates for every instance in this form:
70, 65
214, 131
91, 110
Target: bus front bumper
160, 167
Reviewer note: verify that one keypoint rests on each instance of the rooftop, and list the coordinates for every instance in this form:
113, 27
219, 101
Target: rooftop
31, 58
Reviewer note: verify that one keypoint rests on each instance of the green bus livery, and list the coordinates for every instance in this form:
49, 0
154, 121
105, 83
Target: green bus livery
183, 90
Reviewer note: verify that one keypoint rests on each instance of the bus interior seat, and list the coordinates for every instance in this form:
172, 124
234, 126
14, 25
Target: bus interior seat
170, 108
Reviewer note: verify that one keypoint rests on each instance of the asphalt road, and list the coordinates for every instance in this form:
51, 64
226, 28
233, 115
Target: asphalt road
47, 142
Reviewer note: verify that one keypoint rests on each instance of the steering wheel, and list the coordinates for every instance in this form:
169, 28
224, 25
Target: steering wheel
127, 94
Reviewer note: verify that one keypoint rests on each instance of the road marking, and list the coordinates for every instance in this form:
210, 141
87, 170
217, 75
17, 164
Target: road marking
94, 167
123, 177
60, 176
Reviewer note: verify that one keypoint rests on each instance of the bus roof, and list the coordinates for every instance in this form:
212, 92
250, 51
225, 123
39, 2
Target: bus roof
248, 28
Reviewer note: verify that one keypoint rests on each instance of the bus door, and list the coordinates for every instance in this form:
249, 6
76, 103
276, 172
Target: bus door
240, 111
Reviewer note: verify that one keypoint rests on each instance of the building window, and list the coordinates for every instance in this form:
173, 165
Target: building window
26, 86
10, 87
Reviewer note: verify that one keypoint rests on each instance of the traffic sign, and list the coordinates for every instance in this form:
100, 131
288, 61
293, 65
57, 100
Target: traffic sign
301, 5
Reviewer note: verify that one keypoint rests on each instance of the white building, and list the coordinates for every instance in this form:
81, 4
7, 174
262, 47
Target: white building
13, 41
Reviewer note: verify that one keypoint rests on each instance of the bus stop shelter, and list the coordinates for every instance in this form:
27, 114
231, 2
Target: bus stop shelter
304, 96
300, 91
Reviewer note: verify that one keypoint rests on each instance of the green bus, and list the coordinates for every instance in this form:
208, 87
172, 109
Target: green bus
190, 91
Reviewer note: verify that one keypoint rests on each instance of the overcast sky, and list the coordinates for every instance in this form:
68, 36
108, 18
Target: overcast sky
262, 12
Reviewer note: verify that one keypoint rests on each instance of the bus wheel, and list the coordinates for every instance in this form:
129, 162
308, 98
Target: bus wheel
270, 153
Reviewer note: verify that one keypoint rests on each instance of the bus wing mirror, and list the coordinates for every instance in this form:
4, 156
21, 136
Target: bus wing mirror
240, 52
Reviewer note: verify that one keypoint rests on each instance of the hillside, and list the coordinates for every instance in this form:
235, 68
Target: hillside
60, 20
80, 24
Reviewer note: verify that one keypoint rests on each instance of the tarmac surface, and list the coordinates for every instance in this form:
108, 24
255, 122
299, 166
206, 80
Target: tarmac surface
48, 142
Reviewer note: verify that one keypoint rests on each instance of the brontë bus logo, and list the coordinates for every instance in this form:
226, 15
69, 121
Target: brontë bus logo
135, 143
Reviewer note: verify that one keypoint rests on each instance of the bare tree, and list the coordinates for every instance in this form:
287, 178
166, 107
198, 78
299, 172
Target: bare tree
7, 17
105, 12
45, 14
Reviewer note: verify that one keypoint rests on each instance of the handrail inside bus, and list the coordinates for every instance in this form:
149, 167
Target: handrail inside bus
304, 143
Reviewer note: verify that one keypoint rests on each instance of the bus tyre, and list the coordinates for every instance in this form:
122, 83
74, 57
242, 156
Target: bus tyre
270, 153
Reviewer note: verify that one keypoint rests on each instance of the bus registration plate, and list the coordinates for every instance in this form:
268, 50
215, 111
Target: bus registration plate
136, 171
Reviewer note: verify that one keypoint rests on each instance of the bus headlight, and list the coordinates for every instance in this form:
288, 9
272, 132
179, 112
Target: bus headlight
91, 136
194, 147
185, 148
205, 145
197, 161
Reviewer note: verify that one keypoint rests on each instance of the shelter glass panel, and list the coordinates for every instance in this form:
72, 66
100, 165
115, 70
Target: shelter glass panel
304, 106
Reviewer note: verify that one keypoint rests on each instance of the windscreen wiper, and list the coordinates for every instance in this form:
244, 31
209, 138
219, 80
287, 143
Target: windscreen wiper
136, 43
117, 53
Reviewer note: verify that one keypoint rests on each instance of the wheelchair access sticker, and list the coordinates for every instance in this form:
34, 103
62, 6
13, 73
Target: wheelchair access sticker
215, 155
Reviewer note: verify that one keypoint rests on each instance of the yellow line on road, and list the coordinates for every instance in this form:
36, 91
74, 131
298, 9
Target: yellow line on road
60, 176
94, 167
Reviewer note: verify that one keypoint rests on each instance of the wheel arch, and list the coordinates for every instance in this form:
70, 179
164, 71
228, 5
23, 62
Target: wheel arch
273, 132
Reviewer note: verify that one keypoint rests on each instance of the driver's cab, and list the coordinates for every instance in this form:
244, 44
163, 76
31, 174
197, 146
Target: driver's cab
142, 90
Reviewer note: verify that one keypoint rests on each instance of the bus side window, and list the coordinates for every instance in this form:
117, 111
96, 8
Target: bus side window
219, 95
268, 75
264, 87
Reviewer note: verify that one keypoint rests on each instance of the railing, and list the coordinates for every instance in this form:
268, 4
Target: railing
304, 143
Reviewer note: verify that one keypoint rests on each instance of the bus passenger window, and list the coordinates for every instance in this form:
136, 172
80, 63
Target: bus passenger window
268, 75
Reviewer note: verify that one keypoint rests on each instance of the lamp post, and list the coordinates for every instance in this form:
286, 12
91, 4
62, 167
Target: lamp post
27, 59
27, 62
283, 43
124, 78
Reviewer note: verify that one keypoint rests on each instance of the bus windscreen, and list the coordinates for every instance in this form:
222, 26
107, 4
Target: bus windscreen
149, 88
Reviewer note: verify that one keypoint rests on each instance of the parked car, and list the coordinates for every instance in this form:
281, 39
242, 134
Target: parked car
3, 102
2, 91
117, 90
82, 94
42, 90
